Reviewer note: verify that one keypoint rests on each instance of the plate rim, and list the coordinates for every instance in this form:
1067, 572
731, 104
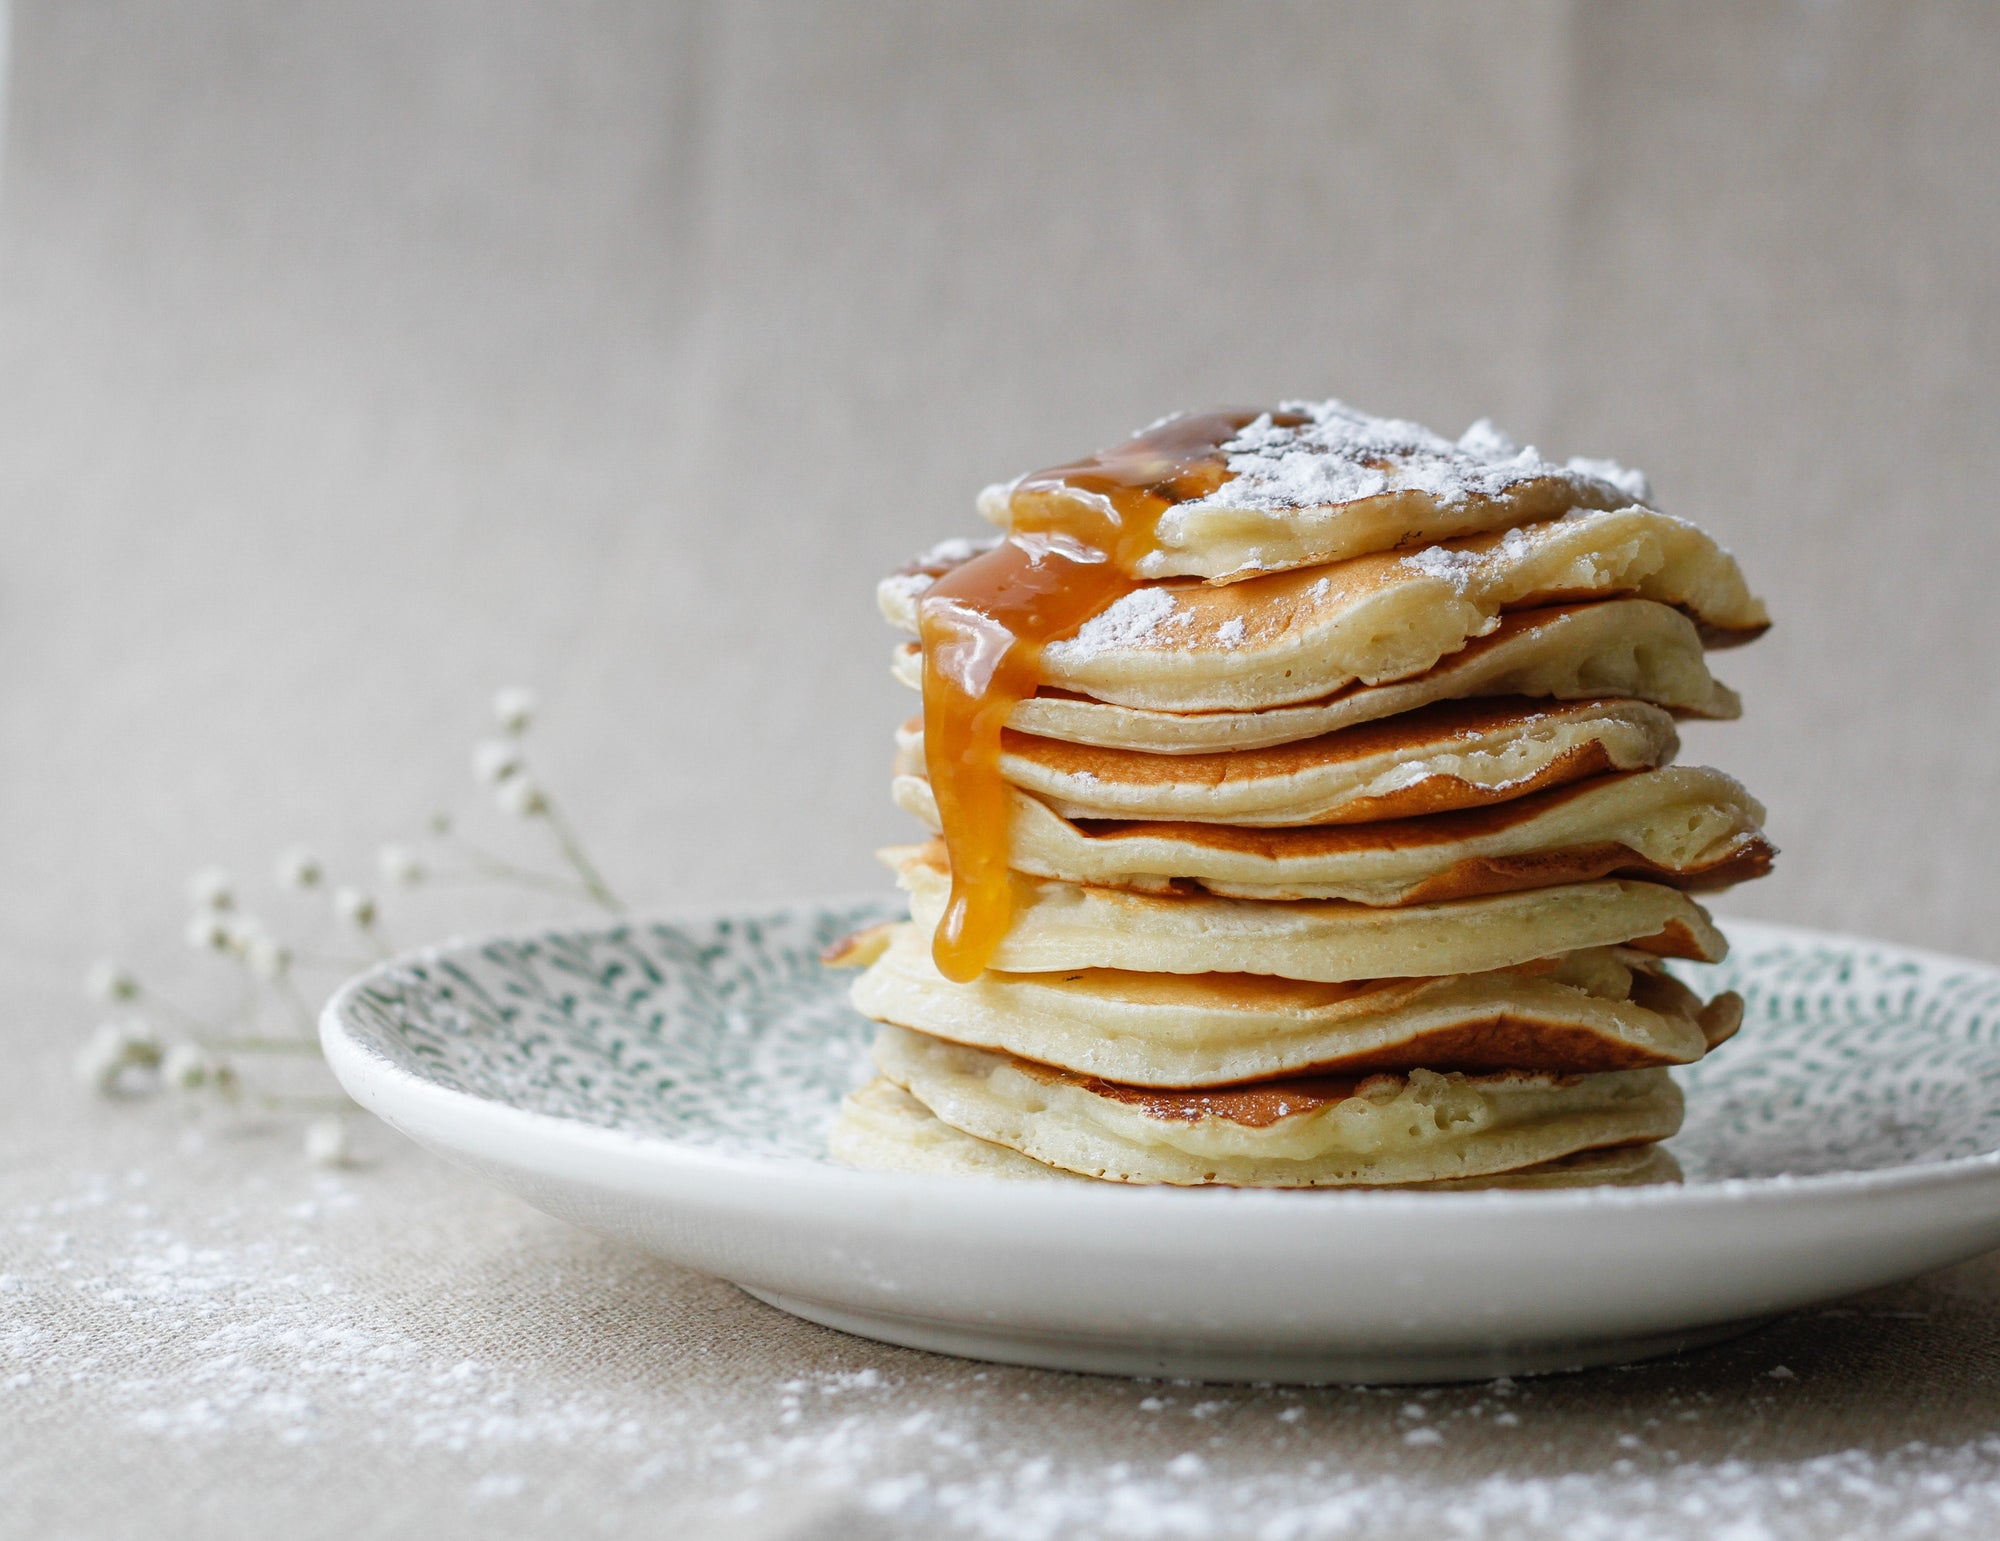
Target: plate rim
376, 1081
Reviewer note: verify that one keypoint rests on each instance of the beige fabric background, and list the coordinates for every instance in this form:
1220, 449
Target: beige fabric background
355, 359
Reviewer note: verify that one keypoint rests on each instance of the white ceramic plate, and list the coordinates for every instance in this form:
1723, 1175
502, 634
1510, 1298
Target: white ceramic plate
670, 1084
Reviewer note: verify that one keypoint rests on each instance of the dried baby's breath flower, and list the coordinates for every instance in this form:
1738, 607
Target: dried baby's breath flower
267, 957
185, 1067
107, 982
125, 1059
520, 796
243, 933
299, 868
514, 709
326, 1142
496, 761
211, 889
114, 1049
354, 907
208, 931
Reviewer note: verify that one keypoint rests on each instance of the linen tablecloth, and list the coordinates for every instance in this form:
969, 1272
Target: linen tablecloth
357, 360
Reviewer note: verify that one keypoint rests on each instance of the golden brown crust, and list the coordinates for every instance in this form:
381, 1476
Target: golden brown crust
1257, 1104
860, 948
1438, 728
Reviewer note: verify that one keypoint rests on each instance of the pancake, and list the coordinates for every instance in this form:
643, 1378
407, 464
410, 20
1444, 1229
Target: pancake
1632, 648
882, 1128
1293, 637
1321, 1132
1332, 483
1686, 825
1599, 1009
1456, 754
1058, 927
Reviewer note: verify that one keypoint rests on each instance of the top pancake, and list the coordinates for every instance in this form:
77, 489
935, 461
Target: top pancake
1336, 483
1292, 637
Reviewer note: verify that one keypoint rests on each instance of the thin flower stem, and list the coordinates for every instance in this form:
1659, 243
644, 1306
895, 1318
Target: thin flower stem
572, 849
530, 880
259, 1045
302, 1014
181, 1015
274, 1104
330, 960
498, 867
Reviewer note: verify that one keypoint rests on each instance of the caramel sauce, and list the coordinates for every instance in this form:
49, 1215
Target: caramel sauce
1077, 536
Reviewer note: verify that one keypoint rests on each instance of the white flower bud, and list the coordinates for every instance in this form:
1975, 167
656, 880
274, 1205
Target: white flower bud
211, 889
521, 797
354, 907
100, 1062
326, 1142
399, 866
299, 868
496, 761
243, 932
185, 1068
208, 932
113, 1049
267, 957
106, 981
514, 709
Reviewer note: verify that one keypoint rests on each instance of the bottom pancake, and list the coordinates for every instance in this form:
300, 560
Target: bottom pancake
1319, 1132
882, 1128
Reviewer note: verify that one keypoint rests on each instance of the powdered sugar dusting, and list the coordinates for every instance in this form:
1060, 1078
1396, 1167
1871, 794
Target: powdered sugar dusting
953, 552
204, 1350
1455, 567
1636, 485
1128, 621
1342, 455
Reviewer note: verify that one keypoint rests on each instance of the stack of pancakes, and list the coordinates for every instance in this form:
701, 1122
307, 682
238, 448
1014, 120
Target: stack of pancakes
1342, 840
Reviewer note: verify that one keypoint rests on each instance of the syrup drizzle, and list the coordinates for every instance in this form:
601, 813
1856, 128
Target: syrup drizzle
1077, 535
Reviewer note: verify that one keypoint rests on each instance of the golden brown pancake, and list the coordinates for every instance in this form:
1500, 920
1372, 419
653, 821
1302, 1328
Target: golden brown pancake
1456, 754
1630, 648
1312, 1132
1688, 826
1292, 637
1319, 481
1059, 927
1599, 1009
882, 1128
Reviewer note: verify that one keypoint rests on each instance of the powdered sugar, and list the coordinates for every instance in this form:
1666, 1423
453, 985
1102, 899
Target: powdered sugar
1128, 621
897, 594
1636, 485
953, 552
1341, 455
241, 1343
1455, 567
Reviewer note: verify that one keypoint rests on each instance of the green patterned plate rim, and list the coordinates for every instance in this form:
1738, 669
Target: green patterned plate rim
722, 1032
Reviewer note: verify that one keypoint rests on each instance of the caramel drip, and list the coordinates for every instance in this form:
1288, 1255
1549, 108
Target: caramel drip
1077, 535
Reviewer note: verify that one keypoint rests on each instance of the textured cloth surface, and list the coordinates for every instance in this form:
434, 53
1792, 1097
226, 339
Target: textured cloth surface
214, 1341
355, 360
